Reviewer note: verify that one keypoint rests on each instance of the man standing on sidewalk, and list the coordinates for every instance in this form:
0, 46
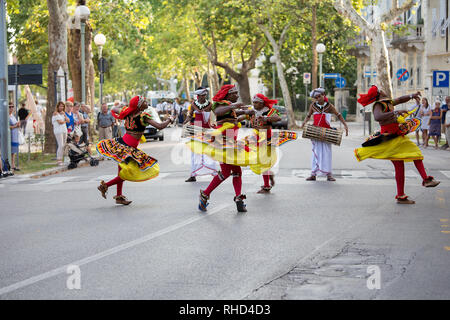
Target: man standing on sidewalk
444, 109
84, 112
23, 114
105, 122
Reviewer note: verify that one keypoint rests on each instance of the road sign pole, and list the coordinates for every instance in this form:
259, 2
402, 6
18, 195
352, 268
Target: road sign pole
306, 100
4, 112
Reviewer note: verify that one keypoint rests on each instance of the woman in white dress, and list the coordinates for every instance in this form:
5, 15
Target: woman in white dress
425, 114
59, 120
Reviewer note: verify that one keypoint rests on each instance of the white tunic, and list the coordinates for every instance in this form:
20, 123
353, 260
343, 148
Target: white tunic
202, 164
321, 153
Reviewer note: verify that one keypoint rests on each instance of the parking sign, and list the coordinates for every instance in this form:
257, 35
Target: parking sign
441, 81
306, 78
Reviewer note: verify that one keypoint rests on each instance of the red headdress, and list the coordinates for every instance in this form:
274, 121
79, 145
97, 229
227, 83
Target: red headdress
267, 102
222, 93
134, 104
370, 97
71, 99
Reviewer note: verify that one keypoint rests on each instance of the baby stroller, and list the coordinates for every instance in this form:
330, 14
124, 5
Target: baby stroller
78, 151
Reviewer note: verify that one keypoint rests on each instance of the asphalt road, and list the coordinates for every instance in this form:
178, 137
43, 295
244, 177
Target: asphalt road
306, 240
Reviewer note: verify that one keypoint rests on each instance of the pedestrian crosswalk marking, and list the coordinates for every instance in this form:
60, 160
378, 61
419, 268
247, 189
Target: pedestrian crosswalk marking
297, 173
55, 180
446, 173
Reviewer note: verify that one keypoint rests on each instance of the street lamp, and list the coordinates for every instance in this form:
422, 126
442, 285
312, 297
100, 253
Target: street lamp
320, 48
100, 41
82, 12
273, 60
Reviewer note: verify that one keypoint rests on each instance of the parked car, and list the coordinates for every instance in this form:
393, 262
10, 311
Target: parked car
150, 131
283, 123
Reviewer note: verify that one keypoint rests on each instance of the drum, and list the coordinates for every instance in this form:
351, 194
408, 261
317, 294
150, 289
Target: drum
190, 130
333, 136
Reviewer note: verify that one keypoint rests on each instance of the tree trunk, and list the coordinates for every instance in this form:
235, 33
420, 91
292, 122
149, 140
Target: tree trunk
313, 45
186, 85
89, 67
381, 57
244, 88
280, 71
74, 56
285, 90
57, 41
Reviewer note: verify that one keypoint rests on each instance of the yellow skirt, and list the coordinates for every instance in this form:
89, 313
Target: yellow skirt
400, 148
131, 172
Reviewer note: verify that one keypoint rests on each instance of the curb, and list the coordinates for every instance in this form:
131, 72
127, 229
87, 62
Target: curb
53, 171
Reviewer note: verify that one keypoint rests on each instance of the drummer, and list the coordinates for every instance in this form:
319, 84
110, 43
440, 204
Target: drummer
322, 110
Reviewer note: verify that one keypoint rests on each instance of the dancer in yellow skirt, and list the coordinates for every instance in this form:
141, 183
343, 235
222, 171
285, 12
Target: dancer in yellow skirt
134, 164
222, 145
391, 143
261, 122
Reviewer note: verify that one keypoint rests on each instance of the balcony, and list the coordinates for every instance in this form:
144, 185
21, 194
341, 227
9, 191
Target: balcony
411, 40
359, 47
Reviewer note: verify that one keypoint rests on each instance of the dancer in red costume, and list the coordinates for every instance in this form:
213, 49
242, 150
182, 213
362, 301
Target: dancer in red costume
261, 122
134, 164
391, 142
228, 112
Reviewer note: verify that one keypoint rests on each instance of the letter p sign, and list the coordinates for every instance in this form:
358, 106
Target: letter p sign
441, 79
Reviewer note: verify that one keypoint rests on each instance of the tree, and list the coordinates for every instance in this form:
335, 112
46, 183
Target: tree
376, 33
74, 58
230, 28
266, 23
57, 54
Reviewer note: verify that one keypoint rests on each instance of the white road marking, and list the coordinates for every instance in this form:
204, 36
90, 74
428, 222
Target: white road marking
355, 174
56, 180
411, 174
301, 173
446, 173
111, 251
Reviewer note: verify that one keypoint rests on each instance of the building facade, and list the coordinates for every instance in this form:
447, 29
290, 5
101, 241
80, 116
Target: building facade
417, 41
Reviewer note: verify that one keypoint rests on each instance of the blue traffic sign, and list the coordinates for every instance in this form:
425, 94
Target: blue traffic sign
402, 74
441, 79
340, 82
331, 75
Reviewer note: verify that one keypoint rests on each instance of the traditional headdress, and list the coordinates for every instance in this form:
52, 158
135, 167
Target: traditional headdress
201, 91
134, 104
262, 98
317, 92
224, 91
371, 96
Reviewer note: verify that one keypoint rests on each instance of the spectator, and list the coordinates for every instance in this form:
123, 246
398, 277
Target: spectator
105, 122
14, 125
23, 114
115, 128
77, 117
84, 112
59, 121
435, 123
444, 116
120, 123
415, 114
178, 107
447, 124
425, 114
70, 119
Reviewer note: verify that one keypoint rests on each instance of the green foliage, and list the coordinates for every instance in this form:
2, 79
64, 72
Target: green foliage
147, 39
